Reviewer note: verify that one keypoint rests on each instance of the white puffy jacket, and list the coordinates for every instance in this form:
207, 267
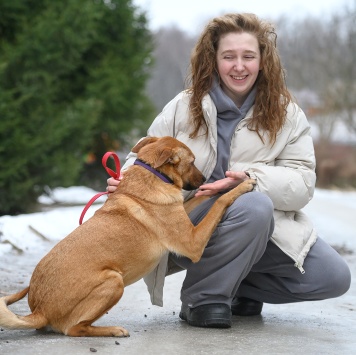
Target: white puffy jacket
285, 172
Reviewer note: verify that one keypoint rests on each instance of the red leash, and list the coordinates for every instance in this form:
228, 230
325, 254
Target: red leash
112, 173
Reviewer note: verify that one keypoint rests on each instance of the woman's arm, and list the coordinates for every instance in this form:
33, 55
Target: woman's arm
291, 181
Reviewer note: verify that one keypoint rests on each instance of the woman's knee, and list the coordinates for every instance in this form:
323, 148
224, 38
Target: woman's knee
339, 279
256, 205
250, 216
328, 271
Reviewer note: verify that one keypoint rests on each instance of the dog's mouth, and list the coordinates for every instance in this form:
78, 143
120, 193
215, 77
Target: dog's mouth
189, 187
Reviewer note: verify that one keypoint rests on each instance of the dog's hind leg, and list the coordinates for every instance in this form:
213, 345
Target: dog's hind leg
102, 298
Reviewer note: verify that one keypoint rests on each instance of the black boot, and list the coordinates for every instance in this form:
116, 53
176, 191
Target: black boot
214, 315
242, 306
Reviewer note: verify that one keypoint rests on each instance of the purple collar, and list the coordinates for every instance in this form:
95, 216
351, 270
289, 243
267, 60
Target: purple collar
162, 176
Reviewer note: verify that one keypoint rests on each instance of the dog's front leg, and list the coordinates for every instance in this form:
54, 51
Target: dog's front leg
203, 231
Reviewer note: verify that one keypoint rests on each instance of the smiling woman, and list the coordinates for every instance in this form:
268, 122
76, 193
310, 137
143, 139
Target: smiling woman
240, 121
238, 61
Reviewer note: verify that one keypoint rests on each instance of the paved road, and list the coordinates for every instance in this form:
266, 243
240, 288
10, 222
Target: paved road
326, 327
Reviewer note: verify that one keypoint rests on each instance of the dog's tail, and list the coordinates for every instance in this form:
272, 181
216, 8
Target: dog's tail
10, 320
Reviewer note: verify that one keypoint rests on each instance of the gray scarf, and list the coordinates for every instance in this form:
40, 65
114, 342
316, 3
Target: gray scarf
228, 117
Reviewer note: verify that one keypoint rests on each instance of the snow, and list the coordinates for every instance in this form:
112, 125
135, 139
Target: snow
28, 231
334, 216
332, 212
69, 195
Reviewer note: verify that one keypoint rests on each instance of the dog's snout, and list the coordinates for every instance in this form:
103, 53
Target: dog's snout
194, 180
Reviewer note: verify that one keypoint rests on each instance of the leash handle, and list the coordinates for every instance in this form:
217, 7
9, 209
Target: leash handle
112, 173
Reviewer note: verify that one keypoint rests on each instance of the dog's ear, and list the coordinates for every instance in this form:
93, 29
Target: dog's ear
167, 155
142, 143
163, 158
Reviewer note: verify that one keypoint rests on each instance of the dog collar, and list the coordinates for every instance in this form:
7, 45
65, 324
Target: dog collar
162, 176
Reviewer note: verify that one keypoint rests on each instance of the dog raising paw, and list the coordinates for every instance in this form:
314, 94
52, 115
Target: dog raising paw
84, 275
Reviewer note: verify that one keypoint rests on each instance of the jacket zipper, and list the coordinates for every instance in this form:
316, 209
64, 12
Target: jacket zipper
299, 266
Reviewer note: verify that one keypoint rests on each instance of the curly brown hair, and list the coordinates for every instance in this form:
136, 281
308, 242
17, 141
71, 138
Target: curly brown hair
272, 96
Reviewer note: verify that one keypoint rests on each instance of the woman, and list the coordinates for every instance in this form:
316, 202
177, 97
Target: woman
240, 121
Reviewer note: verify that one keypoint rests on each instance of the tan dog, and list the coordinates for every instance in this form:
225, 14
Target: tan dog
84, 275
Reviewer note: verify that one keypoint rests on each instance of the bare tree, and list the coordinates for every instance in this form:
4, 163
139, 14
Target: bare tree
172, 55
341, 95
320, 56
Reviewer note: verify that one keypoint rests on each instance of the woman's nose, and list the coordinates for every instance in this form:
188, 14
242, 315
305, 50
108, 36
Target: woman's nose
238, 66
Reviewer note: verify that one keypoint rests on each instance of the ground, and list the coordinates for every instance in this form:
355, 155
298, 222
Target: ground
323, 327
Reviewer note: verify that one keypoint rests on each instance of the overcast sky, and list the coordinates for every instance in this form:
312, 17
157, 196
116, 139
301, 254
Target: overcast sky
192, 15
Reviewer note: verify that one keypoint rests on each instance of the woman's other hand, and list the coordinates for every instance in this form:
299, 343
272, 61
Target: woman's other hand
112, 184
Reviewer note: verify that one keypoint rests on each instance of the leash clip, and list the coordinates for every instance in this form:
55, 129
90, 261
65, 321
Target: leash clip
112, 173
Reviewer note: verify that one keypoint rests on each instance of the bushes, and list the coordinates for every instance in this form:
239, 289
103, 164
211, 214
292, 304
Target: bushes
72, 79
335, 165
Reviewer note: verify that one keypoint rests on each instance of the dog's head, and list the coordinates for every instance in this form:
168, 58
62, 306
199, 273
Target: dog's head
172, 158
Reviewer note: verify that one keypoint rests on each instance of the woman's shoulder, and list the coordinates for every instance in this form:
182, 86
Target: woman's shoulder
295, 113
296, 120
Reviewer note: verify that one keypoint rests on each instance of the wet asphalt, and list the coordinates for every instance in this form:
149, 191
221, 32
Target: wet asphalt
324, 327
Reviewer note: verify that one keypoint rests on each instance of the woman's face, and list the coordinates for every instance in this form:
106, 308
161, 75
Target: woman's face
238, 61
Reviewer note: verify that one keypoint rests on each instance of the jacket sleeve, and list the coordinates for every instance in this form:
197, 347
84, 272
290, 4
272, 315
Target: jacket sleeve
290, 182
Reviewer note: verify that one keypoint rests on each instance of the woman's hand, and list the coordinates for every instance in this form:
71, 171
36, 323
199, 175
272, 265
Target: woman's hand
112, 184
233, 178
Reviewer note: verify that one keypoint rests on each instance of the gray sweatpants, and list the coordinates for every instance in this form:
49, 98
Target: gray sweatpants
239, 260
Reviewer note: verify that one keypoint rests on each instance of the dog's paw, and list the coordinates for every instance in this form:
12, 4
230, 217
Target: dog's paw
119, 332
239, 190
247, 185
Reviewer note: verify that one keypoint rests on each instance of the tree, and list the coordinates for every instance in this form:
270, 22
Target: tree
339, 96
319, 54
171, 58
72, 79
